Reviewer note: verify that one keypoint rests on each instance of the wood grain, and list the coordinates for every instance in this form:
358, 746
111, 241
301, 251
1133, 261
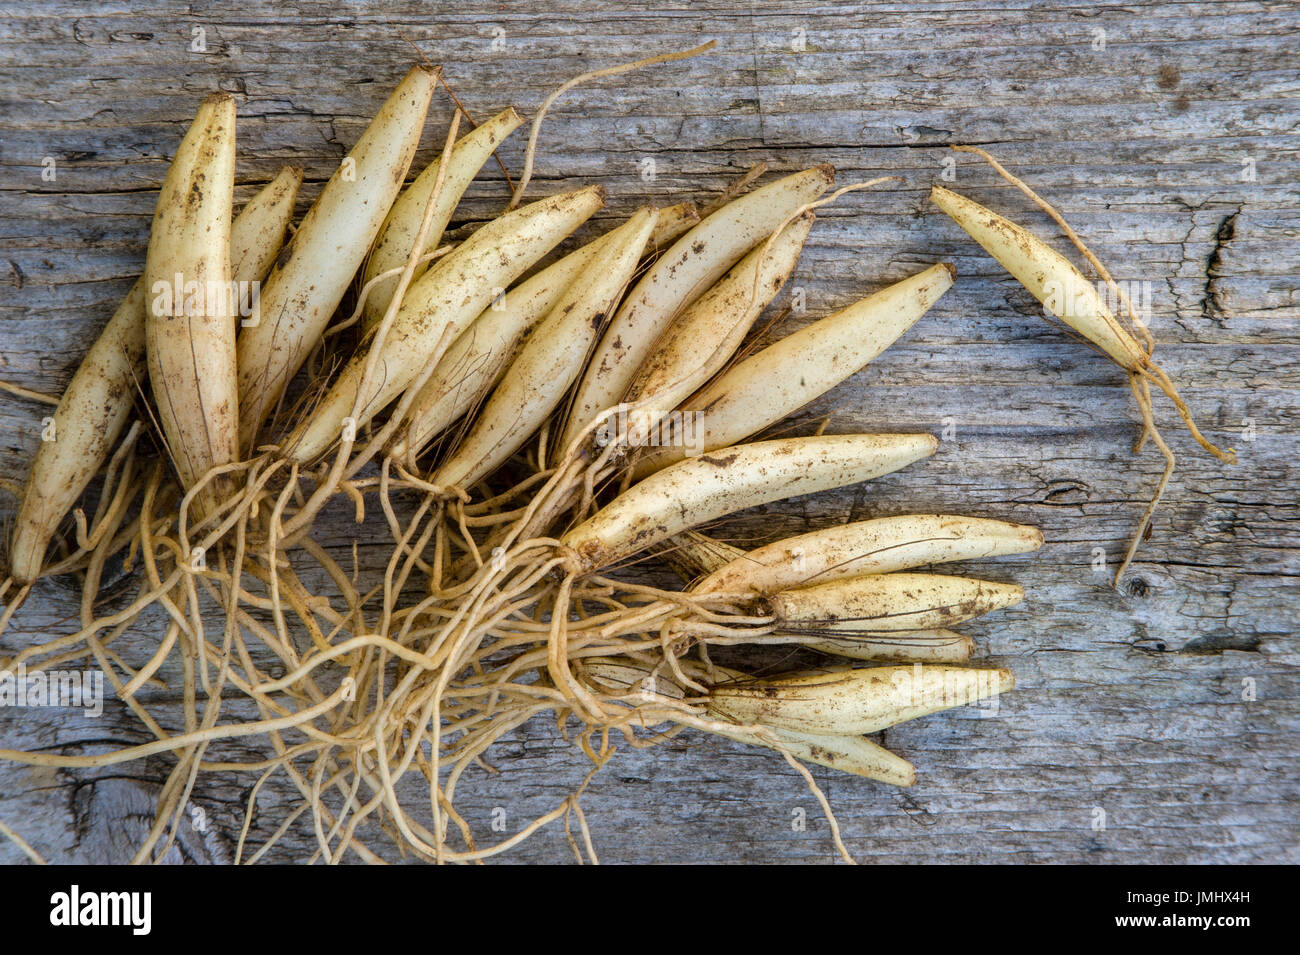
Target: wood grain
1132, 704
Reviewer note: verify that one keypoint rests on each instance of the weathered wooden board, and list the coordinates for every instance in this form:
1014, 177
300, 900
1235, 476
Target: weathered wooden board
1154, 725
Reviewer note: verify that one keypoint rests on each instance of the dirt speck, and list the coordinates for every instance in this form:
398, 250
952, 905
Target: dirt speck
720, 461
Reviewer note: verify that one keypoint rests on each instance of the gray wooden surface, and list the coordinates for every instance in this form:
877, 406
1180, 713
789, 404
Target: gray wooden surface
1132, 736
